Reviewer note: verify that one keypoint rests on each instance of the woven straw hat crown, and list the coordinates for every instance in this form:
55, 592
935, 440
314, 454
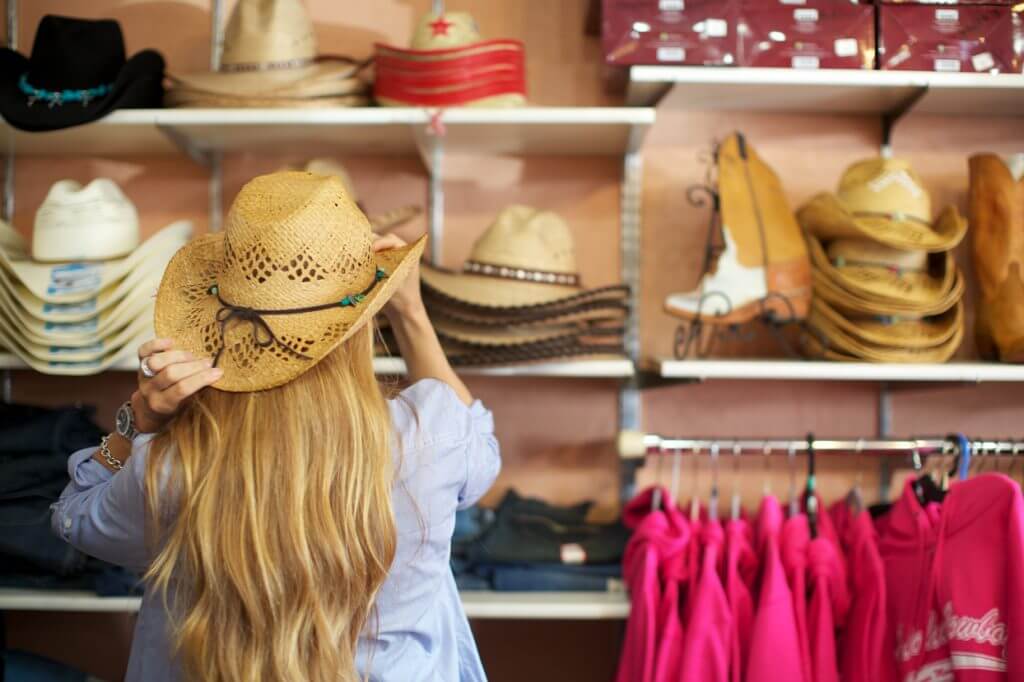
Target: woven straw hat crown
885, 186
294, 240
446, 30
262, 31
523, 237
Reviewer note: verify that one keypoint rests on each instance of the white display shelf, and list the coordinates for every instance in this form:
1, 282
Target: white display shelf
971, 372
569, 131
494, 605
615, 368
828, 90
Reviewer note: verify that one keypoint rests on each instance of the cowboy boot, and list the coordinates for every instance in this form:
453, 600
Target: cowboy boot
997, 224
764, 268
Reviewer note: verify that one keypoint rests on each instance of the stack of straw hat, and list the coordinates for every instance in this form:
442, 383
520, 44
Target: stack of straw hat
519, 298
886, 287
450, 65
270, 60
82, 298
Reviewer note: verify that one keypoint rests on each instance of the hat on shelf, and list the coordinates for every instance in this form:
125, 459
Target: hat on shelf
77, 73
269, 59
525, 258
79, 317
449, 64
885, 201
381, 222
95, 222
886, 286
291, 277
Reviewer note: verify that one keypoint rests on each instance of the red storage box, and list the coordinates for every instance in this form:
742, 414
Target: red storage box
968, 38
679, 32
807, 34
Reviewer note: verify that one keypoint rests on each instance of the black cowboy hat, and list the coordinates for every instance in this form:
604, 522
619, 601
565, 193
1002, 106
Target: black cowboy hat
77, 74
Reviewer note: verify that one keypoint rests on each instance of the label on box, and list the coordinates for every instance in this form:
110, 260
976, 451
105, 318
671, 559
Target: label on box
846, 47
947, 65
671, 5
805, 62
983, 61
573, 554
671, 54
947, 15
808, 14
793, 2
716, 28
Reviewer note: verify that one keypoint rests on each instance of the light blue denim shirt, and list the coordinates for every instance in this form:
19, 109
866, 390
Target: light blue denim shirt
446, 457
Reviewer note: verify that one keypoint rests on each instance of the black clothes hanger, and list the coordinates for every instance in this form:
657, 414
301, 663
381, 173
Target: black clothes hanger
810, 500
925, 487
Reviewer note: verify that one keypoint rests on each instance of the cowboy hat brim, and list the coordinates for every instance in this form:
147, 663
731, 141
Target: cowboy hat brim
907, 333
187, 310
827, 218
831, 342
881, 284
328, 78
139, 85
847, 303
494, 292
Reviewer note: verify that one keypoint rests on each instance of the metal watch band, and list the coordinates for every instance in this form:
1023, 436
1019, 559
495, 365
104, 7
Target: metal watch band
114, 462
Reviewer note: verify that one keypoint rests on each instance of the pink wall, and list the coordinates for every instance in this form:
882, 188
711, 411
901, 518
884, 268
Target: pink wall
556, 434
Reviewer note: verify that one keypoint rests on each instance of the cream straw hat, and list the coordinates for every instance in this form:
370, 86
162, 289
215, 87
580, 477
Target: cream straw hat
290, 278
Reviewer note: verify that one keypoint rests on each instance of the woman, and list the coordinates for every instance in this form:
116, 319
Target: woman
291, 523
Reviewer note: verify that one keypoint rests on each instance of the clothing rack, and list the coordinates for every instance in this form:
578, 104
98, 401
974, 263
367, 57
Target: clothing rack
636, 445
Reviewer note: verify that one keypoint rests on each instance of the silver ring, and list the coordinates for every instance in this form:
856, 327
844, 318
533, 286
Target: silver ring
145, 369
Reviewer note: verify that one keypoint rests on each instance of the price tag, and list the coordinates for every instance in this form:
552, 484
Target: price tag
983, 61
808, 14
947, 65
805, 62
846, 47
671, 54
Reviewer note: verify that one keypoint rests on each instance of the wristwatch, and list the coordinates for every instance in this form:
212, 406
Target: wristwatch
124, 422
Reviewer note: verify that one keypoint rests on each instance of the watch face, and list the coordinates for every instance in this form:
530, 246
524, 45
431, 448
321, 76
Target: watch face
123, 421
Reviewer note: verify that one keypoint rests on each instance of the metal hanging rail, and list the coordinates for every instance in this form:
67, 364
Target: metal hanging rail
635, 445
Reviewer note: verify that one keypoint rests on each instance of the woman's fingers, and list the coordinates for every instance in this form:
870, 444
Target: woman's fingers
388, 241
154, 346
158, 362
191, 385
175, 372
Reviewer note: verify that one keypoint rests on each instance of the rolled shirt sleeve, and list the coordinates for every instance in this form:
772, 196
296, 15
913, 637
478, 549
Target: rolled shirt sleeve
482, 453
102, 513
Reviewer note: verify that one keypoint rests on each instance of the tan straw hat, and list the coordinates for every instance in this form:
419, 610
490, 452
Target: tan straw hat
381, 222
893, 331
872, 272
526, 257
270, 52
291, 277
883, 200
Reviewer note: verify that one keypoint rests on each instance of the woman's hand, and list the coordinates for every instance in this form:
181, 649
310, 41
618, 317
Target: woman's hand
178, 375
407, 300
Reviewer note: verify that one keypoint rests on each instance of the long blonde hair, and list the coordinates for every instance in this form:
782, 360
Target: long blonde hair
273, 523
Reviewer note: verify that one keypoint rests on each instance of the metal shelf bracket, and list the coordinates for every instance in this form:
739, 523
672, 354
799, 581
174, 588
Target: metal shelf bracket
893, 116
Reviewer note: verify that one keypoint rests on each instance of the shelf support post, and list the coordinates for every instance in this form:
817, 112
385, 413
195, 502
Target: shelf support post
430, 143
216, 184
884, 429
216, 10
892, 117
12, 24
7, 209
630, 403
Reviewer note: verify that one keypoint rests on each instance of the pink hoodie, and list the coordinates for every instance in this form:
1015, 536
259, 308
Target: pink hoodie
955, 583
706, 651
860, 645
796, 538
740, 573
774, 641
653, 537
675, 575
830, 601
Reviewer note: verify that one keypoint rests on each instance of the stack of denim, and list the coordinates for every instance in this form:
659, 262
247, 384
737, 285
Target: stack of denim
34, 447
527, 545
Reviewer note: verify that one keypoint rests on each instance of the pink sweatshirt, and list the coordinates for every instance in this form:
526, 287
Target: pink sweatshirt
675, 574
654, 537
774, 641
829, 604
796, 538
861, 656
955, 583
740, 573
706, 652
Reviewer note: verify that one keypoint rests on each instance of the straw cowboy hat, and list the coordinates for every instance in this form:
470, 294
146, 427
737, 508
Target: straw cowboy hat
95, 222
836, 338
270, 59
291, 277
77, 73
449, 65
525, 258
872, 272
381, 222
883, 200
